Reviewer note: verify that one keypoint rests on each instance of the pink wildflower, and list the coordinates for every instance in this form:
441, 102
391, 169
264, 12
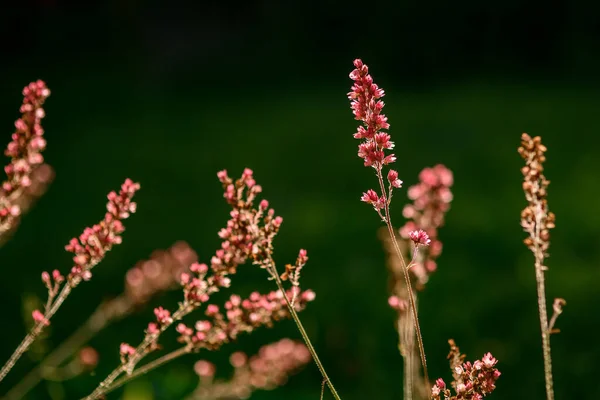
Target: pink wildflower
25, 153
393, 179
126, 350
93, 244
39, 317
420, 237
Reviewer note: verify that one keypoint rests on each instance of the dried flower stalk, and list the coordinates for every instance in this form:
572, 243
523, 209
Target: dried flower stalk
537, 221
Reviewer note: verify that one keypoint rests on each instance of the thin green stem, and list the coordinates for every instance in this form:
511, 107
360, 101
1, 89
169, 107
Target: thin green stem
147, 368
309, 344
51, 309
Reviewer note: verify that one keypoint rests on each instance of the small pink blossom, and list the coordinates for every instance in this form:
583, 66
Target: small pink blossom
126, 350
39, 317
488, 360
153, 328
420, 237
393, 179
204, 368
88, 357
440, 383
25, 153
370, 197
397, 303
163, 316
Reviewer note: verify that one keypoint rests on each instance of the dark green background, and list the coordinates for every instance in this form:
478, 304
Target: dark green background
169, 93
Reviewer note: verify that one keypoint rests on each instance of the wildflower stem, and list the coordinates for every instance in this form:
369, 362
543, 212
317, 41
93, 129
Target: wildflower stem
407, 352
95, 323
140, 352
36, 330
541, 292
411, 297
309, 344
147, 368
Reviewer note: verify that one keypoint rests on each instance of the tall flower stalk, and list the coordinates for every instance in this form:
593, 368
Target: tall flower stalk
537, 221
365, 99
431, 200
88, 250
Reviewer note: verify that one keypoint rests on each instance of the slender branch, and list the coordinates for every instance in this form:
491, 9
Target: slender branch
140, 352
35, 331
296, 319
541, 292
147, 368
411, 298
407, 355
96, 322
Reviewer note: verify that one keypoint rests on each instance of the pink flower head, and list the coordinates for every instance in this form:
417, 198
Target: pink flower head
420, 237
93, 244
126, 350
163, 316
440, 383
153, 328
238, 359
204, 368
488, 360
370, 197
38, 317
393, 179
397, 303
88, 357
366, 107
25, 153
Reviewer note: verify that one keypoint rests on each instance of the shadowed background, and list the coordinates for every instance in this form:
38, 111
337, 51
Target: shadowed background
168, 94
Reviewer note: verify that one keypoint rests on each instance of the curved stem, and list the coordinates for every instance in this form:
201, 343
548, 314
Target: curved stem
309, 344
140, 352
35, 331
411, 298
104, 314
147, 368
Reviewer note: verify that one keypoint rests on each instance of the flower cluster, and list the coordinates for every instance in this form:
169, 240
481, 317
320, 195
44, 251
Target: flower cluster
366, 104
248, 234
535, 218
25, 153
41, 178
240, 316
268, 369
472, 381
91, 246
431, 200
